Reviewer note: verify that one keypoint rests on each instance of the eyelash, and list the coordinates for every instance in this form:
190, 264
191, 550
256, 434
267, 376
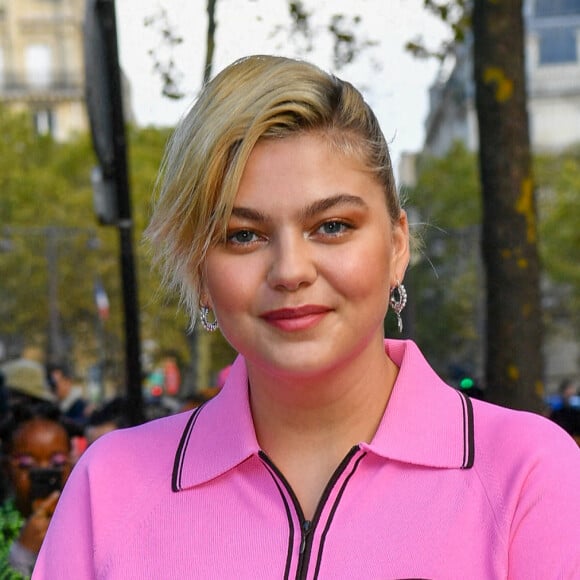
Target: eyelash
233, 238
343, 227
28, 463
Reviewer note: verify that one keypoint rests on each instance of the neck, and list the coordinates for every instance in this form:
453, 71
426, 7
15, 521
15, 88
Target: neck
306, 425
333, 411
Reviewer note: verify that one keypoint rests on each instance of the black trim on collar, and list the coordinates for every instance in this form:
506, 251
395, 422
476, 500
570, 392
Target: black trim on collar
180, 454
468, 432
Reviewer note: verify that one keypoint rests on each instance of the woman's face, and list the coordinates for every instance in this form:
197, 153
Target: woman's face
38, 443
302, 282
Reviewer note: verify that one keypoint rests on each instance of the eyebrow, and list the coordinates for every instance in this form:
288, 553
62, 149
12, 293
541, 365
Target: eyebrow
309, 211
330, 202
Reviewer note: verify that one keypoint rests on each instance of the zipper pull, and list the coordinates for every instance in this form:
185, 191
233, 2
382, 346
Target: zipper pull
306, 527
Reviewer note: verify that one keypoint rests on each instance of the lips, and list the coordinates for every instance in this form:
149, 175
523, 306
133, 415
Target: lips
298, 312
297, 318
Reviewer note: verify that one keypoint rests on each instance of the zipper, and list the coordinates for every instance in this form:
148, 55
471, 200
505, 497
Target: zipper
307, 527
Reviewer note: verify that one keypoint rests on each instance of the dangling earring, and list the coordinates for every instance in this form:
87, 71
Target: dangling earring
398, 300
207, 325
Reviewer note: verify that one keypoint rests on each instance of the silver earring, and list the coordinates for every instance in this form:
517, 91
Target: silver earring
398, 301
207, 325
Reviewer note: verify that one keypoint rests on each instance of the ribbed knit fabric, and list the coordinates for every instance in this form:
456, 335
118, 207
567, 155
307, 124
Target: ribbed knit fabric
447, 489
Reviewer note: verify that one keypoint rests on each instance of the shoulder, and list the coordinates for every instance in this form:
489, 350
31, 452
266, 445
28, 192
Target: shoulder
522, 429
529, 470
127, 469
517, 446
153, 436
132, 449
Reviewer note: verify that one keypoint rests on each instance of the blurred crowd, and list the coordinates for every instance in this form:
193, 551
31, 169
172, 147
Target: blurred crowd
565, 408
46, 423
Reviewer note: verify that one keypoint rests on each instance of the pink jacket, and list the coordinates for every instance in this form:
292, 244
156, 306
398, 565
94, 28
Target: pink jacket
448, 488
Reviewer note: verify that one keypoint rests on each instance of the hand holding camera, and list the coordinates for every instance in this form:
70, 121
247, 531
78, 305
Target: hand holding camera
34, 530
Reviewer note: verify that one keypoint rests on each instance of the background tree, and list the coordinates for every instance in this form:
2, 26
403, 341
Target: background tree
446, 277
446, 295
558, 178
514, 364
296, 28
47, 201
514, 368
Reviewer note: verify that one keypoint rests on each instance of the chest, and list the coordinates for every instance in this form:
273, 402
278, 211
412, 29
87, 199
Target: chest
373, 521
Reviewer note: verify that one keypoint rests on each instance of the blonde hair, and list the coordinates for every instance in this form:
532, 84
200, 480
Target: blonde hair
254, 98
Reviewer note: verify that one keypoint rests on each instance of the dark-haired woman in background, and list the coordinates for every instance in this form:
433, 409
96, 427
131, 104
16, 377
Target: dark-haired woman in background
35, 464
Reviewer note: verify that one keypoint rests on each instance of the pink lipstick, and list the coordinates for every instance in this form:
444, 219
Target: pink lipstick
295, 319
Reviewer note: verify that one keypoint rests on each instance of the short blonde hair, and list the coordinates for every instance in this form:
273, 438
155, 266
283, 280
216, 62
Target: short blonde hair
254, 98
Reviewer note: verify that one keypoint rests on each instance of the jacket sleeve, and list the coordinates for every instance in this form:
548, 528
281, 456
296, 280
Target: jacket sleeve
545, 531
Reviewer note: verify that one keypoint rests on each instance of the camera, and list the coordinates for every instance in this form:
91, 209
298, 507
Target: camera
44, 481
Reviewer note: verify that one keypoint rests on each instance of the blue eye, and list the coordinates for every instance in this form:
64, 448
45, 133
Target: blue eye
242, 237
334, 227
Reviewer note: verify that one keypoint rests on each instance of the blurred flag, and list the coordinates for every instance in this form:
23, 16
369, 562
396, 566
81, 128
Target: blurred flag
102, 301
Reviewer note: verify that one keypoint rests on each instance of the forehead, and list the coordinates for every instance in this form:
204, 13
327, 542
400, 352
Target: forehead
301, 168
39, 434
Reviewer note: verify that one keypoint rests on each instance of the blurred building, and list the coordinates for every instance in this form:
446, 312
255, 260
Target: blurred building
553, 84
41, 63
42, 66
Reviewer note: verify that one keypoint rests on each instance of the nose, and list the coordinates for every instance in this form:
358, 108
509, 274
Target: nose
292, 263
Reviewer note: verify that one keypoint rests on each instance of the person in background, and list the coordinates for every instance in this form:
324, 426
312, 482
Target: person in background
25, 382
568, 414
329, 453
108, 417
70, 397
36, 464
191, 401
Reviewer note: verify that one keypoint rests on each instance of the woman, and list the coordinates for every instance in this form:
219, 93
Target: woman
329, 453
36, 461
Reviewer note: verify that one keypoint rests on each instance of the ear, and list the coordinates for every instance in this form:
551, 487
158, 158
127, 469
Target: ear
401, 251
204, 298
203, 295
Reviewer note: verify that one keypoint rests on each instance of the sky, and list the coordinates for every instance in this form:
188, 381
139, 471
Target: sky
397, 90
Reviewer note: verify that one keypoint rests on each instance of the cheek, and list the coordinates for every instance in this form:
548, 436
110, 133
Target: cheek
361, 274
231, 286
21, 482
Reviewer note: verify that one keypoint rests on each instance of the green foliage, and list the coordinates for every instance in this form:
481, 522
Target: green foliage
163, 64
447, 285
456, 14
348, 40
558, 179
444, 279
346, 32
447, 192
10, 525
47, 211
